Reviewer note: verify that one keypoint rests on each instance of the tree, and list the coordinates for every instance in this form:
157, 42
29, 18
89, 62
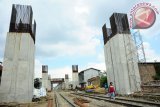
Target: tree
103, 80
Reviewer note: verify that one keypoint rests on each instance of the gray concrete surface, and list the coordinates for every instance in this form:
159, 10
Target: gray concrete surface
122, 64
18, 68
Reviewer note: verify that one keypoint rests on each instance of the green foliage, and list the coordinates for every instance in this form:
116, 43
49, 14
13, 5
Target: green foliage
103, 80
157, 68
156, 77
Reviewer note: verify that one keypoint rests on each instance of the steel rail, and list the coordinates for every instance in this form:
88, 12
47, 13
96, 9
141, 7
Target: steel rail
73, 105
122, 101
69, 102
56, 101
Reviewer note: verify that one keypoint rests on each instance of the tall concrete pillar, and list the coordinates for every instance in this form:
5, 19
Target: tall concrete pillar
49, 83
75, 79
66, 80
45, 76
18, 66
120, 55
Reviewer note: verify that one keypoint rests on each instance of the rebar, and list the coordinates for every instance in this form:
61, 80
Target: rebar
21, 20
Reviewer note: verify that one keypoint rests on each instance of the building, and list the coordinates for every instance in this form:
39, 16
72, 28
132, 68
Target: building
88, 74
94, 81
148, 70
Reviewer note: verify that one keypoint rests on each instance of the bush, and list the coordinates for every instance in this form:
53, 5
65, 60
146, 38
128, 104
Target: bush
103, 80
157, 68
156, 77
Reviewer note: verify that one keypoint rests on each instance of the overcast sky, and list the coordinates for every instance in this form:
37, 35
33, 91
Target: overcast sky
69, 32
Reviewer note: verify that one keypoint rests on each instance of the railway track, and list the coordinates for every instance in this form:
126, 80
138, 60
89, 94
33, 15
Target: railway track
62, 101
122, 101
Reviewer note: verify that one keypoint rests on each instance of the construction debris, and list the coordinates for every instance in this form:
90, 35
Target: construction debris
81, 102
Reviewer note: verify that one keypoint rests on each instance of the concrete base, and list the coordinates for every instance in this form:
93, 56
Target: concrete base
18, 70
66, 84
75, 79
45, 80
49, 85
122, 64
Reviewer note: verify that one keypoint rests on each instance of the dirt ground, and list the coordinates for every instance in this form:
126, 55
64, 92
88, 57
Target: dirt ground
47, 101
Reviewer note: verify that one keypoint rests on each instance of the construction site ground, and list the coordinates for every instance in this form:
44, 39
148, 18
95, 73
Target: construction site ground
50, 101
47, 101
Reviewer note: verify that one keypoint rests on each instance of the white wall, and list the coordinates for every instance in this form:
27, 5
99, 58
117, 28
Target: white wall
18, 68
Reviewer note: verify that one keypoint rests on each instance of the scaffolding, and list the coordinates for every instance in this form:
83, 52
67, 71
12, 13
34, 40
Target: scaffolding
137, 37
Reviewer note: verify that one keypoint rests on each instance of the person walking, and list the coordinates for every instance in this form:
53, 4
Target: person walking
111, 91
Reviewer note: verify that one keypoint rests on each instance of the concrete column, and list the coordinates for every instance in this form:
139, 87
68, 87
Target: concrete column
122, 64
66, 81
51, 86
49, 83
45, 76
18, 68
75, 78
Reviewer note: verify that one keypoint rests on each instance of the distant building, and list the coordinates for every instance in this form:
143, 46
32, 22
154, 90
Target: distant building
94, 81
148, 70
88, 74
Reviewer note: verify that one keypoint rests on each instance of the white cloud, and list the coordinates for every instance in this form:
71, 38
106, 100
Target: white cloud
1, 60
153, 31
82, 10
62, 25
69, 49
60, 72
150, 53
38, 69
100, 66
84, 44
101, 57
